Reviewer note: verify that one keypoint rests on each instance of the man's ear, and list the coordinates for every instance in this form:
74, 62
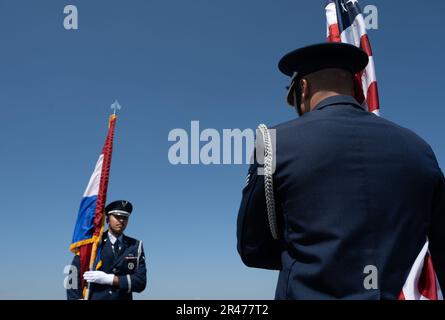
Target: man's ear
305, 88
106, 219
304, 92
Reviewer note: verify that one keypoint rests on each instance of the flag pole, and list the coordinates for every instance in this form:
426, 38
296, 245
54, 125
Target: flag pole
97, 243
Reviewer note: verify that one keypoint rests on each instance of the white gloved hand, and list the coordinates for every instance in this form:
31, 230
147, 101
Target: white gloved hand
98, 277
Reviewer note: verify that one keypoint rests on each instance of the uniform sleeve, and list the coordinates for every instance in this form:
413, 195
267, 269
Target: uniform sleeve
137, 281
436, 233
75, 292
256, 245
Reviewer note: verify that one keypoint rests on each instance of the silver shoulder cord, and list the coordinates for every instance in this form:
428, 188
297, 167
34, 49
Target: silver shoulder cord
139, 254
268, 180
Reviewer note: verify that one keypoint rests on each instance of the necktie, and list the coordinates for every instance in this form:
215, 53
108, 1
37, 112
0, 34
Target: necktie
116, 248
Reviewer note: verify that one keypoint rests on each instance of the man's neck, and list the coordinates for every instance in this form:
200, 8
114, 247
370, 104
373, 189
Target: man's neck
322, 95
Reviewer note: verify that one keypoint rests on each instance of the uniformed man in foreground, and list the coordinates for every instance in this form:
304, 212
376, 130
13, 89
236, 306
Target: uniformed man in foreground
354, 193
123, 270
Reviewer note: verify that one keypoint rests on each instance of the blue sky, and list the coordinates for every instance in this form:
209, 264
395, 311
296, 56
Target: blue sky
169, 62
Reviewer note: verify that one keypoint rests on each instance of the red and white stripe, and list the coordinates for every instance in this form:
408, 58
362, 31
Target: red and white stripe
366, 82
422, 283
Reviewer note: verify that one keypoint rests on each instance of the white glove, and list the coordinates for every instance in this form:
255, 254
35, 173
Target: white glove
98, 277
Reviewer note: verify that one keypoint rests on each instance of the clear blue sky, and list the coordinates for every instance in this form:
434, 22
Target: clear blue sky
169, 62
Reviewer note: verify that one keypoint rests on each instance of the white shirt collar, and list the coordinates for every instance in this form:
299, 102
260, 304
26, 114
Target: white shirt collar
113, 238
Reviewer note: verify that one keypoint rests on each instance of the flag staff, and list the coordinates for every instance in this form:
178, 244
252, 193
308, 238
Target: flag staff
96, 244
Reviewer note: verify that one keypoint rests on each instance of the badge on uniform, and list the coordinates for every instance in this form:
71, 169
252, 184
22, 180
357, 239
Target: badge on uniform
130, 260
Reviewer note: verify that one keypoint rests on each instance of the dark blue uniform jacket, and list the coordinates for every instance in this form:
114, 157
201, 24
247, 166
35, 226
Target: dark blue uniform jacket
129, 265
352, 190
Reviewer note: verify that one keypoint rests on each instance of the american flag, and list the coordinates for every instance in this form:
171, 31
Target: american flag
421, 283
345, 23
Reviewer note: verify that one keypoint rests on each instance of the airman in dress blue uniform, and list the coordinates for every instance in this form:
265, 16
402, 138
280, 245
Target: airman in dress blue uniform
353, 192
122, 269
